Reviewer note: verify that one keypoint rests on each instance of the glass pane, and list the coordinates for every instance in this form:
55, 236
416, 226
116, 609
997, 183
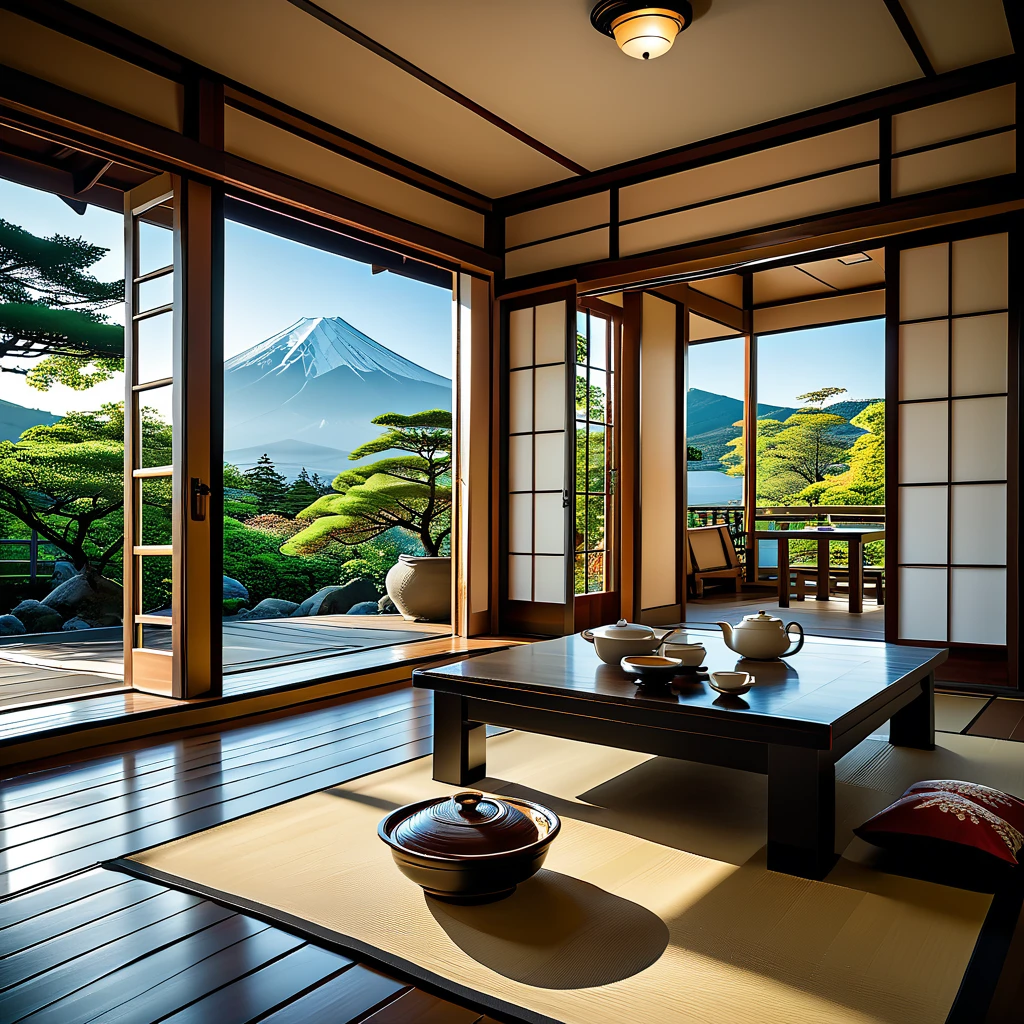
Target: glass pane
581, 329
157, 292
581, 522
155, 348
598, 389
155, 509
595, 572
155, 593
155, 426
581, 459
156, 247
595, 523
596, 459
598, 341
581, 392
580, 574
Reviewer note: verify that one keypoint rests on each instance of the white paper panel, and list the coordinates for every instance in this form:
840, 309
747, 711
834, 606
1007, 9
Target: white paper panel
557, 219
960, 162
923, 532
586, 247
979, 524
978, 606
979, 354
924, 282
520, 401
549, 579
520, 577
942, 122
924, 433
550, 402
520, 337
550, 346
922, 608
979, 439
520, 528
979, 274
924, 360
549, 524
550, 461
520, 463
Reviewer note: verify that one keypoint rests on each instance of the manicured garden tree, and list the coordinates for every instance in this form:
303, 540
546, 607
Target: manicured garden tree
66, 481
410, 491
49, 310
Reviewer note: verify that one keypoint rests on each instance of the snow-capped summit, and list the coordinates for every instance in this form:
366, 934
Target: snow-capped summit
321, 381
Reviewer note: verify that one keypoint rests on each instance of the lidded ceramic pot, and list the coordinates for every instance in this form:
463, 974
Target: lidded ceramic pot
469, 848
623, 640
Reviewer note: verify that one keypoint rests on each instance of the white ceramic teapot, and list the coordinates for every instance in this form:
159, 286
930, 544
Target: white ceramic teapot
623, 640
762, 636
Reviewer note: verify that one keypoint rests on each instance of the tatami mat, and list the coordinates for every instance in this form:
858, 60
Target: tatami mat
654, 904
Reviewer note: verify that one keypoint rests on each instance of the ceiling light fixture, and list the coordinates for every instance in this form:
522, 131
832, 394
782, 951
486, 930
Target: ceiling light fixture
857, 257
641, 31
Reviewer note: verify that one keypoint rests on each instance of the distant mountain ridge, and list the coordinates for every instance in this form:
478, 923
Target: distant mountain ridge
16, 419
320, 382
710, 418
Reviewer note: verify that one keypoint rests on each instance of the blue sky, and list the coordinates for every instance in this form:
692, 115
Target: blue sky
270, 283
850, 356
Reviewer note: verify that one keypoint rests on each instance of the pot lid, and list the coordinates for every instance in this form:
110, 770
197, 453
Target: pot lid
468, 824
762, 618
623, 630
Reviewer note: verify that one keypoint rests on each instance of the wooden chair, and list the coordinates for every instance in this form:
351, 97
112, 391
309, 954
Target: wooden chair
711, 555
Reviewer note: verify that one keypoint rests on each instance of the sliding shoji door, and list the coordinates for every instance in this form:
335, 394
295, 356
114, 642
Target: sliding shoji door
538, 367
954, 423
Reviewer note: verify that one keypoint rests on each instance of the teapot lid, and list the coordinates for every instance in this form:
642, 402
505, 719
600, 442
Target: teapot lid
762, 618
623, 630
469, 824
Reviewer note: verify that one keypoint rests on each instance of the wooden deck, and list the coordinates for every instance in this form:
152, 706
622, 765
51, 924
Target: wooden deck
85, 943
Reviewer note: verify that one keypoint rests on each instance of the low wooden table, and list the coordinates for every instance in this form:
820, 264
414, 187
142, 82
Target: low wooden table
802, 716
855, 536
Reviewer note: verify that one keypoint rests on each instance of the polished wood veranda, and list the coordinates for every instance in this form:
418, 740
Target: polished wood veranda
81, 942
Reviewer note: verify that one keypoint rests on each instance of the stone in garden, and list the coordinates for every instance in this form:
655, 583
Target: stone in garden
11, 626
77, 623
385, 606
89, 596
234, 591
269, 608
337, 600
62, 572
37, 618
363, 608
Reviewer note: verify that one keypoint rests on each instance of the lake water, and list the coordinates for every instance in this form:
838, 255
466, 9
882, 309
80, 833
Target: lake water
707, 487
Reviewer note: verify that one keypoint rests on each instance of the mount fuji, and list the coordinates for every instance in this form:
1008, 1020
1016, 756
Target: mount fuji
307, 395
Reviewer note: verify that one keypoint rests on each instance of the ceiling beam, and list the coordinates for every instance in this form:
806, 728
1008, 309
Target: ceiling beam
351, 32
910, 37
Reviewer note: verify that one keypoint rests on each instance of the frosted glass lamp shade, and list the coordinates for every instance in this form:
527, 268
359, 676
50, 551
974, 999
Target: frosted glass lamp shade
642, 32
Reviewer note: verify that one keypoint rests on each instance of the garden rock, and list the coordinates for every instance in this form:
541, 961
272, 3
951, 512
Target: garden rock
385, 606
62, 572
37, 618
234, 591
77, 623
11, 626
363, 608
89, 596
337, 600
269, 608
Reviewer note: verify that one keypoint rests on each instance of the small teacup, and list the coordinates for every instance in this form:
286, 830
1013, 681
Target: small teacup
732, 682
691, 655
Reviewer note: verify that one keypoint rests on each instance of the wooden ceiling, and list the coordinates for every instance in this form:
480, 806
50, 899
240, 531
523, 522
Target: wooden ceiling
505, 96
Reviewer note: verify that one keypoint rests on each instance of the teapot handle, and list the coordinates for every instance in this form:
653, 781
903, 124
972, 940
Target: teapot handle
799, 643
588, 636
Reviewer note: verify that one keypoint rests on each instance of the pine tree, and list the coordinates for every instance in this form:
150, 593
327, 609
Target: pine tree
269, 486
49, 310
300, 494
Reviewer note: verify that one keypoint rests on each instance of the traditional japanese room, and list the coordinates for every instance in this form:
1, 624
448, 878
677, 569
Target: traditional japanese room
511, 512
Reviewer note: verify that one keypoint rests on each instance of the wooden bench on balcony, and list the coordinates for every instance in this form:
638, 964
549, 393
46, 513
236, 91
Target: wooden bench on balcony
873, 576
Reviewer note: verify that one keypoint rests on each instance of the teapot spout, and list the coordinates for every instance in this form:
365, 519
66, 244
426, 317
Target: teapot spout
726, 632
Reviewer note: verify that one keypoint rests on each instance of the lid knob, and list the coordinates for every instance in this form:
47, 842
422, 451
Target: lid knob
468, 801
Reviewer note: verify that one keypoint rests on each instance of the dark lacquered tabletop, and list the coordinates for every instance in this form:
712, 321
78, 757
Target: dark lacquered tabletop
826, 684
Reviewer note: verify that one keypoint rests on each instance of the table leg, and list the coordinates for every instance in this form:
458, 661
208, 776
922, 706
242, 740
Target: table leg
460, 746
783, 572
856, 561
823, 567
914, 725
801, 811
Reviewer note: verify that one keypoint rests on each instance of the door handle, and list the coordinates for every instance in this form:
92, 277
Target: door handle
565, 498
200, 492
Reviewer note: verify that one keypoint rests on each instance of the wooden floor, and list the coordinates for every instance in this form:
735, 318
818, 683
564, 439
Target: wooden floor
80, 942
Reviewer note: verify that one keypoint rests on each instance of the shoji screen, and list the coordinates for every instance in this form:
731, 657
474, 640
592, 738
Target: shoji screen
540, 371
953, 429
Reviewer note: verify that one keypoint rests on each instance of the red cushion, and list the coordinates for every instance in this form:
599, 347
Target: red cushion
1009, 808
938, 822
